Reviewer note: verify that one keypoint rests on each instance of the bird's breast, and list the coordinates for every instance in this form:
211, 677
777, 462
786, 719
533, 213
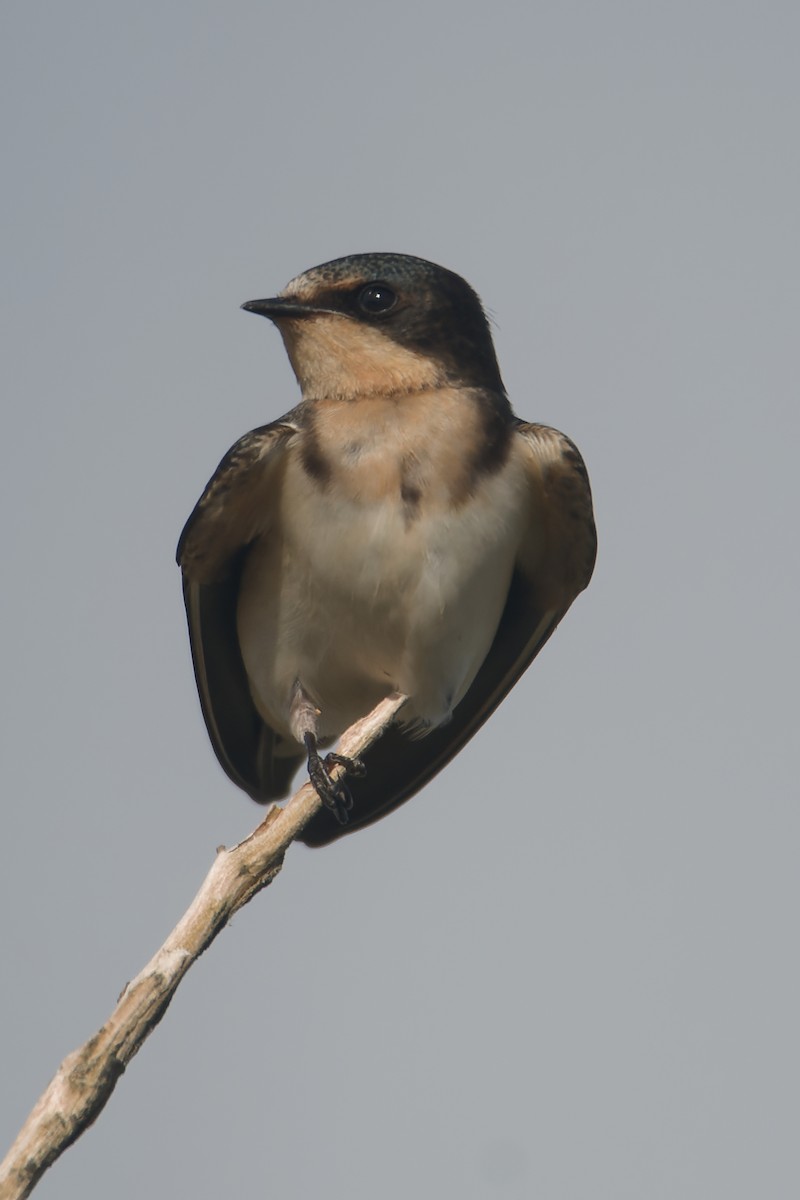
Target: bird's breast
381, 572
385, 490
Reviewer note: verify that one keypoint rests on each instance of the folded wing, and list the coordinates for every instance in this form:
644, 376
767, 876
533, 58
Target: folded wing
235, 508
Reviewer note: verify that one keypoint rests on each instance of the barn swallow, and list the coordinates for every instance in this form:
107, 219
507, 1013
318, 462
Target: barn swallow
400, 530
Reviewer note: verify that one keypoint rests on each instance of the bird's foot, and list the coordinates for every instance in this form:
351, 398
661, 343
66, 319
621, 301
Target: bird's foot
334, 793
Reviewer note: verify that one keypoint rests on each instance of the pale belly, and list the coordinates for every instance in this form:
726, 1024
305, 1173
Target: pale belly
354, 601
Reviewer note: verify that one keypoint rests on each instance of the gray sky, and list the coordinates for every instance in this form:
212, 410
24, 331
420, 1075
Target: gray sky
569, 968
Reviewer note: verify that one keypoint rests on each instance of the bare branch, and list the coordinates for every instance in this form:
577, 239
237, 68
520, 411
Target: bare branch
86, 1078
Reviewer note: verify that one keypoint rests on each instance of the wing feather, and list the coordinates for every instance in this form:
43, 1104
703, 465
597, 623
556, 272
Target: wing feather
235, 508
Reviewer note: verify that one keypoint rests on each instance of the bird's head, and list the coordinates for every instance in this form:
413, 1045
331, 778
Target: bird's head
382, 324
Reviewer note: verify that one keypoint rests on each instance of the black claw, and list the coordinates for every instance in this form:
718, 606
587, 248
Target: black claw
342, 803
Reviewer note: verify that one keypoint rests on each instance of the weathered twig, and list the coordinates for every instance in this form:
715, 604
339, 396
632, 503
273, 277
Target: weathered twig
86, 1078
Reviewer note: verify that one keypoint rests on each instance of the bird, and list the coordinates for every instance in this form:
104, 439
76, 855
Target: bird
399, 530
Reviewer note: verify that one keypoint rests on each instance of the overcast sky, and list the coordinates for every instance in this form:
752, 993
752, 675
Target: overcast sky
569, 968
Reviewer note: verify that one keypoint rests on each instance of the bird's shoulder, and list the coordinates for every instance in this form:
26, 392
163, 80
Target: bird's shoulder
235, 502
564, 510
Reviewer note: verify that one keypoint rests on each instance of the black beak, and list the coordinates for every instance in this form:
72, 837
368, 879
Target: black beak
276, 307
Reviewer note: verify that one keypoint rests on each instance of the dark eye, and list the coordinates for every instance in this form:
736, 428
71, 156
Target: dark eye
376, 298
